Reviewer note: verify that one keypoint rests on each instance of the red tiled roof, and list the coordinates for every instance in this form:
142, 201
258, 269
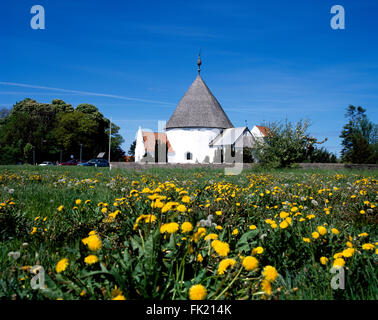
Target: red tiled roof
264, 130
149, 139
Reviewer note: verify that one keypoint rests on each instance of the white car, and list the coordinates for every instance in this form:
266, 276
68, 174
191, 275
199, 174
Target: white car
47, 163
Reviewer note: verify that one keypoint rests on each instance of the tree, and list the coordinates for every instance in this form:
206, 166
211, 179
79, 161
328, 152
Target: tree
76, 128
61, 106
28, 153
131, 151
322, 155
55, 127
284, 145
359, 137
247, 155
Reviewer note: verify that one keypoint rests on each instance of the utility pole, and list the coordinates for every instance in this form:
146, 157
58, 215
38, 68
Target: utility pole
110, 139
81, 151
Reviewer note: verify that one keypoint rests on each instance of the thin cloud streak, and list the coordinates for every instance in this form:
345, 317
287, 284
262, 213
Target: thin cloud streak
84, 93
35, 93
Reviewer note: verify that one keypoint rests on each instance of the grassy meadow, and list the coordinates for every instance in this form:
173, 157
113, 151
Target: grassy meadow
187, 234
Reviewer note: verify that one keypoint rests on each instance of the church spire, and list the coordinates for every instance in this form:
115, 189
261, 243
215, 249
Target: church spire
199, 63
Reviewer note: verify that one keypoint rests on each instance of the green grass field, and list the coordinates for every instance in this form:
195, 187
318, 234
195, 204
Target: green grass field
187, 234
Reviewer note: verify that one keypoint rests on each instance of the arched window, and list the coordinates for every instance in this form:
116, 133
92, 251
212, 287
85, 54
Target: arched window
189, 156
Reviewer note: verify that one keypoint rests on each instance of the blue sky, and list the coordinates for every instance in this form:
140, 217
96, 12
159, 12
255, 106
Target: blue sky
134, 60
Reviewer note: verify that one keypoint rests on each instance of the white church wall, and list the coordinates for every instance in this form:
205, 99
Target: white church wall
139, 147
193, 140
257, 133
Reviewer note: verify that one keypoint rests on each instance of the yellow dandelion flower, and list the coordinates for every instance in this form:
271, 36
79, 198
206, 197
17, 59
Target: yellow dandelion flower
315, 235
335, 231
349, 244
258, 250
338, 263
201, 232
284, 214
221, 248
250, 263
270, 273
61, 265
322, 230
197, 292
306, 240
252, 227
323, 260
224, 264
78, 201
91, 259
168, 206
60, 208
169, 228
235, 232
186, 227
199, 258
368, 246
211, 236
347, 253
181, 208
93, 242
284, 224
266, 287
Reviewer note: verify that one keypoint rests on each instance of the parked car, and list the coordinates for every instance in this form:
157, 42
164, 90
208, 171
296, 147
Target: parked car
95, 163
73, 162
47, 163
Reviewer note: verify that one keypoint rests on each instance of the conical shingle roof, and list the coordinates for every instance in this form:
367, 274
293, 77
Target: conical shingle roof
199, 109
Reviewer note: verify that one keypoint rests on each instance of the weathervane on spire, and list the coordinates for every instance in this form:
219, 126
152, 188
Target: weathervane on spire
199, 62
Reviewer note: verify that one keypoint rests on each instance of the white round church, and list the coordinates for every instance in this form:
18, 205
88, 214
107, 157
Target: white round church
197, 131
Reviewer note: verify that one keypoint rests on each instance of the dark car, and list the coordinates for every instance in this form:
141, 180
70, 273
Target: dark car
95, 163
73, 162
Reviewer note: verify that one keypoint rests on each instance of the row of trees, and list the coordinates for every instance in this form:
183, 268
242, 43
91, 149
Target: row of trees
359, 137
55, 130
287, 144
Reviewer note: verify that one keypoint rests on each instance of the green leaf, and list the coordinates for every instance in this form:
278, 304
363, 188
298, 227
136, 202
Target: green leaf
246, 237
